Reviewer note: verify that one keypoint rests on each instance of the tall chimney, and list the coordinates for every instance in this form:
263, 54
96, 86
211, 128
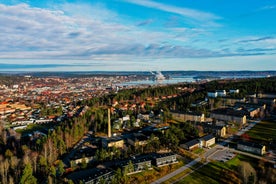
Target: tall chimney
109, 124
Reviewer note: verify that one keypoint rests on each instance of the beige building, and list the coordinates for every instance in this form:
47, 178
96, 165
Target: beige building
251, 147
189, 116
191, 145
113, 142
207, 141
219, 131
229, 115
137, 139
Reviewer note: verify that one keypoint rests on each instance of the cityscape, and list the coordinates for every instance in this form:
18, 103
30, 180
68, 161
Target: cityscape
137, 92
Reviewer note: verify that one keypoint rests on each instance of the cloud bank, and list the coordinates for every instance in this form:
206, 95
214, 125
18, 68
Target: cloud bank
69, 33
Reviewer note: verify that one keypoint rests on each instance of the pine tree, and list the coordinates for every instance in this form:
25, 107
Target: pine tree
27, 177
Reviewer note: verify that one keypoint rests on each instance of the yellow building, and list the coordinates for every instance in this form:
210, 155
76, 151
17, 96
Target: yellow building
229, 115
207, 141
113, 142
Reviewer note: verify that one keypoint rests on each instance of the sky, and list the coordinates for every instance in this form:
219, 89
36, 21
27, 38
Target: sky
137, 35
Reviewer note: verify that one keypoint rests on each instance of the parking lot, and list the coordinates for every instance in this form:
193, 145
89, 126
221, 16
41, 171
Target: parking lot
222, 155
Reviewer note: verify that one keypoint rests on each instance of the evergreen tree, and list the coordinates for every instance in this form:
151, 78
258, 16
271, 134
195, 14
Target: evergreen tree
27, 177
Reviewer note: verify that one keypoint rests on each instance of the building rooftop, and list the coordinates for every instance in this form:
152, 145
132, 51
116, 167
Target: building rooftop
192, 142
88, 175
229, 111
207, 137
251, 144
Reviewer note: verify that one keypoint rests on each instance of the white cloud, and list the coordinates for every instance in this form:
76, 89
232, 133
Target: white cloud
67, 33
28, 32
193, 14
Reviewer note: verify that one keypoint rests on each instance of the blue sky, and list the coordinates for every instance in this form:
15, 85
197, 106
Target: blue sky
67, 35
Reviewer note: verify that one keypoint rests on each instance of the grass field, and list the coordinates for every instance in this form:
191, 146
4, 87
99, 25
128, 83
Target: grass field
264, 131
217, 172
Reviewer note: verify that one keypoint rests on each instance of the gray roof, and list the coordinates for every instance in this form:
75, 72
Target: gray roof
207, 137
192, 143
251, 144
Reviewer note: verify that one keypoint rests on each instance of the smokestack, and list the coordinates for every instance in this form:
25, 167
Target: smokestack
109, 124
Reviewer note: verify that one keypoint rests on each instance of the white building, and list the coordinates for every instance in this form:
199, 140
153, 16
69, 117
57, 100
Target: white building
236, 91
221, 93
213, 94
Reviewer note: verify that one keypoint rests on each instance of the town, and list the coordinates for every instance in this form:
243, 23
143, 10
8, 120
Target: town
94, 130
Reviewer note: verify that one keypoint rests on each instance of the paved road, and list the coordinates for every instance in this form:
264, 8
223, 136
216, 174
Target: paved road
252, 155
209, 153
176, 172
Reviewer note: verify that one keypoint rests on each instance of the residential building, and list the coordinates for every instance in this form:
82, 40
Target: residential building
116, 142
236, 91
221, 93
164, 159
212, 94
84, 155
252, 110
92, 176
137, 139
229, 114
189, 116
217, 130
191, 145
207, 141
217, 93
231, 101
135, 165
251, 147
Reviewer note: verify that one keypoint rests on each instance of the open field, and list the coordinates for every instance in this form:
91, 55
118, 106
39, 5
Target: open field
263, 131
217, 172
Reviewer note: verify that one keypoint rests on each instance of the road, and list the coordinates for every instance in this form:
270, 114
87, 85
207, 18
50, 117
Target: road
176, 172
211, 152
252, 155
207, 154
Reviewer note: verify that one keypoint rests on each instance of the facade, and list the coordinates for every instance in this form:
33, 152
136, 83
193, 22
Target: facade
135, 165
236, 91
252, 110
217, 93
189, 116
84, 155
137, 139
92, 176
221, 93
251, 147
164, 159
219, 131
232, 101
230, 115
191, 145
112, 142
207, 141
144, 162
212, 94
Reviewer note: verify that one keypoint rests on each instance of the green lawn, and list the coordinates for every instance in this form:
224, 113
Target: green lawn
198, 151
216, 172
198, 178
263, 131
